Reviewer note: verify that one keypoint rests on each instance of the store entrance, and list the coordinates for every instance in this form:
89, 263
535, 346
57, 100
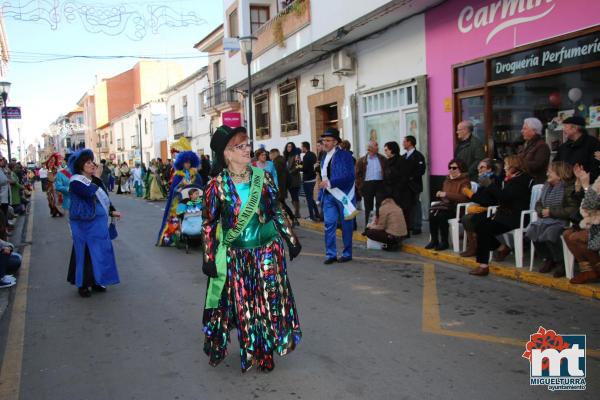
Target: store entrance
327, 117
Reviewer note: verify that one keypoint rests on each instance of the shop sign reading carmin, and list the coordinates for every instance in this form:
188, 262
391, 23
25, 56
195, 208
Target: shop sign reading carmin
581, 50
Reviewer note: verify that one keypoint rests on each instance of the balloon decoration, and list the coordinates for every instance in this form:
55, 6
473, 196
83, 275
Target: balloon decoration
575, 94
555, 99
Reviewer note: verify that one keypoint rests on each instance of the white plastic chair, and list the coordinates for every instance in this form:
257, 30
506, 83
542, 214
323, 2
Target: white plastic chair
568, 258
536, 192
455, 224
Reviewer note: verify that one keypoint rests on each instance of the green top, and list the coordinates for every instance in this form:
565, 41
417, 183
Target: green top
256, 233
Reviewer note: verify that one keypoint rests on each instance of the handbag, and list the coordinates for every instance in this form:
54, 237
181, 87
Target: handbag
112, 229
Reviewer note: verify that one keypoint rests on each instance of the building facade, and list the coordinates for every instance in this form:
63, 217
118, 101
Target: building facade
361, 71
186, 114
497, 63
221, 104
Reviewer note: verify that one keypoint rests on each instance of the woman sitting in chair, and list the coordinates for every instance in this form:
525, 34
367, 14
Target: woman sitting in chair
554, 210
483, 199
445, 208
512, 198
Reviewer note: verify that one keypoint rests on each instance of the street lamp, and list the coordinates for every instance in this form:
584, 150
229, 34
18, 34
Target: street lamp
4, 88
141, 148
246, 47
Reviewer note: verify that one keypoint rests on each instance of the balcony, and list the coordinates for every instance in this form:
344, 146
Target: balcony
276, 30
182, 127
217, 98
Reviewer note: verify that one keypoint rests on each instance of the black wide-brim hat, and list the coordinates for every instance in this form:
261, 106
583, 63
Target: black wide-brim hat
575, 120
218, 143
333, 133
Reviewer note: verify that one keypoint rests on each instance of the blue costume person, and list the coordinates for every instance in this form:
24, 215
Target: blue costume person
92, 259
186, 174
337, 196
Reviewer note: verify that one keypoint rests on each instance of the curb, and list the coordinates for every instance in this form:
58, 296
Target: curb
504, 271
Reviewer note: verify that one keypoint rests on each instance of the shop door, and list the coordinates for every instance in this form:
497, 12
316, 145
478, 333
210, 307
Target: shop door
471, 107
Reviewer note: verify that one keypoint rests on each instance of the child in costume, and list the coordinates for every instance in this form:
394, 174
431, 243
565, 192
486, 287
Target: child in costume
186, 174
191, 212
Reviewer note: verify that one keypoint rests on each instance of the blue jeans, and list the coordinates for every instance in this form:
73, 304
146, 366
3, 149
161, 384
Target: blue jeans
310, 201
333, 212
9, 264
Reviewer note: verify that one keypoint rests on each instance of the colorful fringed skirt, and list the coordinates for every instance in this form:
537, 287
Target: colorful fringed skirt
257, 300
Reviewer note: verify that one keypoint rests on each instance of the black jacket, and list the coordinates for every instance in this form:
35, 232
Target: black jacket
396, 181
308, 166
512, 199
581, 151
415, 169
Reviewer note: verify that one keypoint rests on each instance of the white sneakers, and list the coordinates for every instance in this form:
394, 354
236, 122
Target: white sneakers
7, 281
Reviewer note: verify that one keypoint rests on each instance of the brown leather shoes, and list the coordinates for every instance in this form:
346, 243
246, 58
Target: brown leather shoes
479, 271
471, 250
502, 253
548, 266
585, 277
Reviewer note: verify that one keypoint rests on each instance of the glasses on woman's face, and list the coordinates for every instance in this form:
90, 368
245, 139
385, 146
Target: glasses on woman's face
241, 146
452, 167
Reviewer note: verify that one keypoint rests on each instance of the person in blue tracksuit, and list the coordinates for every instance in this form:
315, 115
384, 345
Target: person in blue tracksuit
337, 188
93, 263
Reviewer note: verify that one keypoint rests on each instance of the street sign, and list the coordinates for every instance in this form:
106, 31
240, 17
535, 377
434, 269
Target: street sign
232, 119
232, 44
11, 112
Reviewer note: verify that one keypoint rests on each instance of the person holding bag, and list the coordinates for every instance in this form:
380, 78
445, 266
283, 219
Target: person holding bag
92, 262
445, 208
243, 234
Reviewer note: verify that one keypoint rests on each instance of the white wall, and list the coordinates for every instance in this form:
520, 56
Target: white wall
396, 55
326, 17
198, 123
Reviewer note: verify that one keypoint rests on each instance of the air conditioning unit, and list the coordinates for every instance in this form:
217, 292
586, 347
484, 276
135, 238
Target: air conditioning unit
341, 63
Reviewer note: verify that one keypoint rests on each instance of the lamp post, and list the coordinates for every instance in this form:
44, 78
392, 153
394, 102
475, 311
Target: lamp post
246, 47
4, 88
141, 148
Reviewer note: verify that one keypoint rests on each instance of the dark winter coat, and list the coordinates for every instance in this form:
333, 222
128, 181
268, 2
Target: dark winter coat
536, 157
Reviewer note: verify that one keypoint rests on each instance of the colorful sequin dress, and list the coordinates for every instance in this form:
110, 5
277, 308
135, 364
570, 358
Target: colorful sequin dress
257, 297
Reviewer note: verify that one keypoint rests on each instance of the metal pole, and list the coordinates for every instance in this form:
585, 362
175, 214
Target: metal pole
250, 122
141, 148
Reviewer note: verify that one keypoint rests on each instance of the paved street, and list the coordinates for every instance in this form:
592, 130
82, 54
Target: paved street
372, 328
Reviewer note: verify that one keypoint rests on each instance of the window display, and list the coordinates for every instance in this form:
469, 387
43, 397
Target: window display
551, 100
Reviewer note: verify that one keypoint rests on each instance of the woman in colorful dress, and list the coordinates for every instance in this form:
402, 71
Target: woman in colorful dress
52, 165
154, 187
245, 259
93, 262
186, 174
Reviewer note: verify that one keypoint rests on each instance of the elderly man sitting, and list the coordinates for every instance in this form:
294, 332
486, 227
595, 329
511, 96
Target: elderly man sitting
389, 226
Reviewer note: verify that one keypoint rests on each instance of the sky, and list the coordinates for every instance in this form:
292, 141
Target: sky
46, 90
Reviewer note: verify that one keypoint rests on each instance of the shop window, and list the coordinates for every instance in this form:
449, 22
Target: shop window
259, 15
383, 128
233, 24
470, 75
550, 99
262, 116
288, 100
472, 109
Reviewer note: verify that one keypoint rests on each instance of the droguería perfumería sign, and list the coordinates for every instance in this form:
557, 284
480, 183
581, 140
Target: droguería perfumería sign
579, 50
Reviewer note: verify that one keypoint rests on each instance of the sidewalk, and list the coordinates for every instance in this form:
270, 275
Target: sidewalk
416, 245
16, 238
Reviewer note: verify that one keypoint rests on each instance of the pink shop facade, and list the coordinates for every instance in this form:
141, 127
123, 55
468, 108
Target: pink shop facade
497, 62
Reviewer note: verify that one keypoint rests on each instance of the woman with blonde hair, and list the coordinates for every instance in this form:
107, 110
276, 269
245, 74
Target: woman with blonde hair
554, 210
512, 198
